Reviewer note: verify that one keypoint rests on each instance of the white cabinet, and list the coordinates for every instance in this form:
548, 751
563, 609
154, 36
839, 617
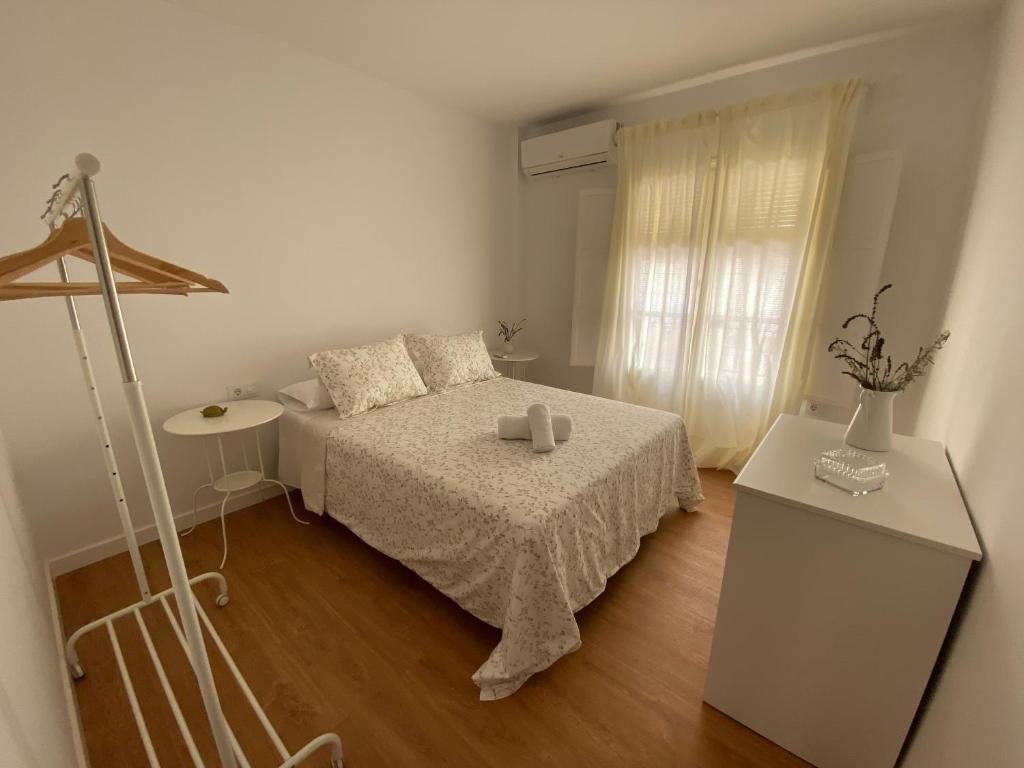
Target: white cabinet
833, 608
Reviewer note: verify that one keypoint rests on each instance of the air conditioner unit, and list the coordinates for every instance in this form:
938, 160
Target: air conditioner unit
587, 146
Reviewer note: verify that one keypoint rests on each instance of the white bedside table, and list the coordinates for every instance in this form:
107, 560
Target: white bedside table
241, 415
514, 360
833, 607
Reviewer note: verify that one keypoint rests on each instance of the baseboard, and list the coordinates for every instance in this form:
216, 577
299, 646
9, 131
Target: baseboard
101, 550
74, 716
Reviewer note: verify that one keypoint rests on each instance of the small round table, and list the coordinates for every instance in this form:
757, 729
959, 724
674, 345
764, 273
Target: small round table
513, 359
241, 415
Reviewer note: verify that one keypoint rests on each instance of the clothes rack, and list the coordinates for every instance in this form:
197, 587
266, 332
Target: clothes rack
77, 229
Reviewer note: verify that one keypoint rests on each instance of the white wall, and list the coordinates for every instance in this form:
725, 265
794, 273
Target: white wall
35, 725
925, 99
336, 208
974, 404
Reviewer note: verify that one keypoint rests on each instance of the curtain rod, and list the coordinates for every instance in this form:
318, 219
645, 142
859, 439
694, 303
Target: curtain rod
865, 85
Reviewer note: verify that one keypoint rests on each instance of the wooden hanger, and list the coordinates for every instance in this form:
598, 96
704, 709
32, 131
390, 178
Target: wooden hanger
60, 241
149, 274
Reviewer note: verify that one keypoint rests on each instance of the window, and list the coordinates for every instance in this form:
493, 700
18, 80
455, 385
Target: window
751, 280
720, 220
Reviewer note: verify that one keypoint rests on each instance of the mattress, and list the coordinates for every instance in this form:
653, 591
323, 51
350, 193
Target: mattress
521, 540
302, 437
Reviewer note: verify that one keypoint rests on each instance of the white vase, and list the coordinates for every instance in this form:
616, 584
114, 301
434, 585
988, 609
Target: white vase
508, 347
871, 427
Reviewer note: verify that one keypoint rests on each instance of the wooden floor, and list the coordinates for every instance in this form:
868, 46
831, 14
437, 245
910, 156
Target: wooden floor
334, 636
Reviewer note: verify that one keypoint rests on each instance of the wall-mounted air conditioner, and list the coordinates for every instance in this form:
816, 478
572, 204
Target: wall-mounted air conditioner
587, 146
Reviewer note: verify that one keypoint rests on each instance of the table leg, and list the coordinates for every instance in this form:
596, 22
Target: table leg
223, 464
228, 494
224, 528
287, 498
195, 509
209, 464
259, 454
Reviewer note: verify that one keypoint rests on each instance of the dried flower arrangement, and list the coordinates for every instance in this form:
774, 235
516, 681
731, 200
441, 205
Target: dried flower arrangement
507, 331
870, 367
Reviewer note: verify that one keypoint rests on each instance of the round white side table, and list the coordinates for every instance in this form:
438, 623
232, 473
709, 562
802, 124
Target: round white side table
513, 360
241, 415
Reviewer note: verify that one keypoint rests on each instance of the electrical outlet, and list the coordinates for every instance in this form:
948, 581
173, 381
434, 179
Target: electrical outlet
243, 391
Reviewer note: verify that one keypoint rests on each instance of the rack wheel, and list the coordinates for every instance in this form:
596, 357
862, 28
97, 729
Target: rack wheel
222, 599
77, 672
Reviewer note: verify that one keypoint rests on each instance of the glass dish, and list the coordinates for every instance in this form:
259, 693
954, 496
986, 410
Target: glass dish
853, 471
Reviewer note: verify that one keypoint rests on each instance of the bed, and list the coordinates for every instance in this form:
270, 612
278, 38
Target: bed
521, 540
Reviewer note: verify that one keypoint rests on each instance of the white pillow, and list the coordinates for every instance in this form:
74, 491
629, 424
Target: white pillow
445, 361
305, 396
361, 378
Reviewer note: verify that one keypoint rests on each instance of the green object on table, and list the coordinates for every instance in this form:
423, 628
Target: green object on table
213, 411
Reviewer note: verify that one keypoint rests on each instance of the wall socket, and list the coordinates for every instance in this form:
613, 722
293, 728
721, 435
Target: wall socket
243, 391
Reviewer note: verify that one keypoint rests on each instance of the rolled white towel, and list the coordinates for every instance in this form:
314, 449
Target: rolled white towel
540, 428
518, 427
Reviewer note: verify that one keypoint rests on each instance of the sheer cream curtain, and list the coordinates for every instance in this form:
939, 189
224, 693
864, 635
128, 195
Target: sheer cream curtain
722, 226
659, 236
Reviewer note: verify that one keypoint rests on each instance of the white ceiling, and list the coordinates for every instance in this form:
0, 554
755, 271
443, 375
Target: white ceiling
520, 61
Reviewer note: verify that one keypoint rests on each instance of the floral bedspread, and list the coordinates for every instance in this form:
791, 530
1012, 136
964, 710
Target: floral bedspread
521, 540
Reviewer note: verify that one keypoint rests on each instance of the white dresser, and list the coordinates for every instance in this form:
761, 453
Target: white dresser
834, 607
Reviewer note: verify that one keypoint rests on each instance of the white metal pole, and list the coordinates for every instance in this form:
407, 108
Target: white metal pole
145, 443
106, 446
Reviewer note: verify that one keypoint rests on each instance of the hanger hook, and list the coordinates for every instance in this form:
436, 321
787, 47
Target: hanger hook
50, 203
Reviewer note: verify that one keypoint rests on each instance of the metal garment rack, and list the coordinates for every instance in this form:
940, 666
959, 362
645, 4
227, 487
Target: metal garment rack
75, 194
